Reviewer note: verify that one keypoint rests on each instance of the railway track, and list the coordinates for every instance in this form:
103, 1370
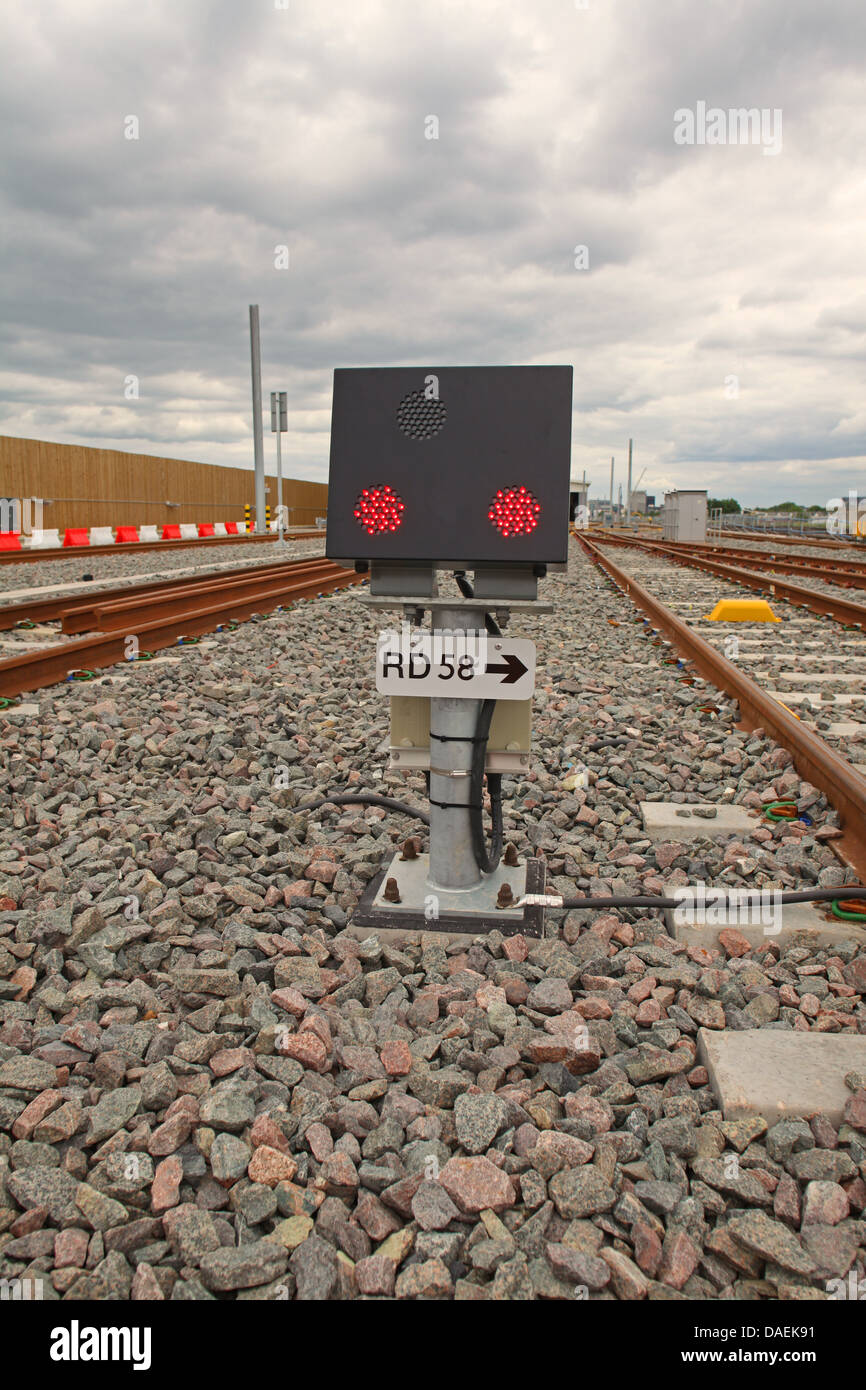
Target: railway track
784, 538
156, 614
67, 552
297, 1113
845, 572
766, 648
846, 611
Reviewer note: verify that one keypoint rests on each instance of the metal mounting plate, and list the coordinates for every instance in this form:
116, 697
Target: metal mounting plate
517, 605
473, 911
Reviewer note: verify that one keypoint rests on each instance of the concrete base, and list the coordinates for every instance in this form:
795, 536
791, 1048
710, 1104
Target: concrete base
398, 936
815, 697
803, 924
665, 820
801, 657
416, 891
778, 1075
821, 677
471, 913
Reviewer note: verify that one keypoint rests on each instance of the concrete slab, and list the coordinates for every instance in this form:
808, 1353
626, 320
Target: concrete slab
671, 820
746, 630
817, 697
822, 677
144, 576
19, 712
776, 1074
799, 924
394, 937
788, 656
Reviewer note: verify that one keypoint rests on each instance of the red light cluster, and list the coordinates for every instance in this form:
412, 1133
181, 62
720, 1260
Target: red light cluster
379, 509
514, 511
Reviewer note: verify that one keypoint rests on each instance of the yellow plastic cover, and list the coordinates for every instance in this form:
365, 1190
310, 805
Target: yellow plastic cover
742, 610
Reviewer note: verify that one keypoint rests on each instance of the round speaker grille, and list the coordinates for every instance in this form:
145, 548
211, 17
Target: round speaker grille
419, 417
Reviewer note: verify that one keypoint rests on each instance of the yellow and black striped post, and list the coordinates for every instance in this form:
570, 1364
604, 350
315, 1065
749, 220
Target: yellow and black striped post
267, 517
247, 510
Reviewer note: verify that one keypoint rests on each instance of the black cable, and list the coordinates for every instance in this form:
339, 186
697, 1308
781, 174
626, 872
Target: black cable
809, 895
467, 591
365, 799
487, 862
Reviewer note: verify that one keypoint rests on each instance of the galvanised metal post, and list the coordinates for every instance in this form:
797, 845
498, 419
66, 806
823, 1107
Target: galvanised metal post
452, 861
258, 441
628, 489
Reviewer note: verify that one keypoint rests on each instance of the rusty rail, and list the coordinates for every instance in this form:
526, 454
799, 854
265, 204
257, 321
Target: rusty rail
784, 538
814, 760
829, 605
49, 665
111, 609
67, 552
838, 572
39, 610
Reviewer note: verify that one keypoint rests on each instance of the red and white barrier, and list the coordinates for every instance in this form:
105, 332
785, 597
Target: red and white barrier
74, 536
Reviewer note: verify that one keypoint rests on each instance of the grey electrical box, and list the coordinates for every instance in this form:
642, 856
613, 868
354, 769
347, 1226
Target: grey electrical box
685, 515
457, 466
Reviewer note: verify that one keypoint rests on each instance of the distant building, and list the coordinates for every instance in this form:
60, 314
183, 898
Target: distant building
639, 502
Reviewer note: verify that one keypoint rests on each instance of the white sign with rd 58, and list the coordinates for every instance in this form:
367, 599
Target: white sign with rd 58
469, 665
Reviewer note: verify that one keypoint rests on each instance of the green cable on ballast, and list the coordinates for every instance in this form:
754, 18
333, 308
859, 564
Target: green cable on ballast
847, 916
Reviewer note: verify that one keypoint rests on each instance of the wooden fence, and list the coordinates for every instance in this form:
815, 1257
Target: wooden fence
80, 486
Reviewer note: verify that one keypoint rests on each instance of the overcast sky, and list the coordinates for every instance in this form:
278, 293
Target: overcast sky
720, 320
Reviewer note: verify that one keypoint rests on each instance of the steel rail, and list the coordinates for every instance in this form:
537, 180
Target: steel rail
67, 552
831, 571
783, 538
50, 665
815, 761
84, 617
843, 610
53, 609
128, 615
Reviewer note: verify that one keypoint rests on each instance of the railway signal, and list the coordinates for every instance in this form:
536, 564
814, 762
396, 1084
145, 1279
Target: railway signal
461, 469
450, 466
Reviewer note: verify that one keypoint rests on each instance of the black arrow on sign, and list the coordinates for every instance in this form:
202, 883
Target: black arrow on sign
512, 668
